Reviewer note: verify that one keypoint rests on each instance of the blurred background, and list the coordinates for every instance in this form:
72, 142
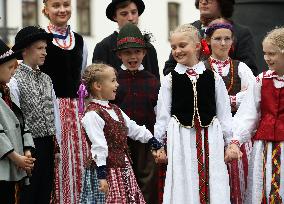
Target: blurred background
159, 18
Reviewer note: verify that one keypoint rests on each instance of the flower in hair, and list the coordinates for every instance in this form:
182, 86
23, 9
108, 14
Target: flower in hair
205, 48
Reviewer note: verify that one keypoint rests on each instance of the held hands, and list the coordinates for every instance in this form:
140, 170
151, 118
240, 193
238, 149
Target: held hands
233, 152
160, 155
103, 186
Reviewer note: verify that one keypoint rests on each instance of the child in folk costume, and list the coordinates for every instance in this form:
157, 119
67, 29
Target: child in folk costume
33, 90
237, 77
137, 96
67, 56
193, 110
16, 141
262, 111
108, 127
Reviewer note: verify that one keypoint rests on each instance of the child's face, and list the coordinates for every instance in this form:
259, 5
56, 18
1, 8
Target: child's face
7, 70
221, 42
108, 85
58, 11
273, 57
184, 49
35, 54
125, 15
132, 57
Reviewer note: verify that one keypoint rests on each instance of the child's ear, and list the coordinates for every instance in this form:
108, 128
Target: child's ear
96, 86
118, 54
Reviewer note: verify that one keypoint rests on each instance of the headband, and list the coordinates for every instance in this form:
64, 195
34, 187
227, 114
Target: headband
215, 26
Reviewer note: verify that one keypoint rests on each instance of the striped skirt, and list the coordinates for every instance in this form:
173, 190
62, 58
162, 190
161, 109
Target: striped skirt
74, 153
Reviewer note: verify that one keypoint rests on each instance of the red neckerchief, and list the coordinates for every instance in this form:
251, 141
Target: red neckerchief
4, 89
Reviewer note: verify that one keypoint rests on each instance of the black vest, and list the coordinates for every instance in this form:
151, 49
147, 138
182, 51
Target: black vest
64, 68
183, 98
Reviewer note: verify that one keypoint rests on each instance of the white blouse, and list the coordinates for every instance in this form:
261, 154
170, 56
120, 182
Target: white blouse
94, 126
248, 115
165, 100
245, 74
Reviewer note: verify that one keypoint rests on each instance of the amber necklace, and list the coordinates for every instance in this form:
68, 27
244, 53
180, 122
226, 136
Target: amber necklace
230, 85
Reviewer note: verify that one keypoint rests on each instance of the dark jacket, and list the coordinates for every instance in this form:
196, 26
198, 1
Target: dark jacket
244, 49
104, 53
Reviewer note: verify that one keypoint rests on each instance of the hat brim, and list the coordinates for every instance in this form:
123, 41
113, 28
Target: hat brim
131, 45
15, 55
110, 10
25, 42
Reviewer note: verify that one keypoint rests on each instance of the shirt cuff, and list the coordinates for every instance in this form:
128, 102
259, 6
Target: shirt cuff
101, 172
155, 144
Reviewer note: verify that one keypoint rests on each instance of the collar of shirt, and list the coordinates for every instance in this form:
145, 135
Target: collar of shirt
101, 102
28, 68
199, 68
140, 68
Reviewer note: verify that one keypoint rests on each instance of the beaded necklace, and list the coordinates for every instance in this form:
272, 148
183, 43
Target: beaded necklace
65, 47
230, 86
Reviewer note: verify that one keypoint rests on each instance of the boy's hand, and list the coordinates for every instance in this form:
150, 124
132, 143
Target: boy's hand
103, 186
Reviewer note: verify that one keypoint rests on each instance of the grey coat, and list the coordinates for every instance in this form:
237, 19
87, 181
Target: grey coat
12, 138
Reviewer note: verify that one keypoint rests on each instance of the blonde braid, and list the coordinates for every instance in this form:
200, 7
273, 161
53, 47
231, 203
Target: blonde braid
276, 37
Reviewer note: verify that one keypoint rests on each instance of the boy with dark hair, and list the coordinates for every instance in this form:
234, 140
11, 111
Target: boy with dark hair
122, 12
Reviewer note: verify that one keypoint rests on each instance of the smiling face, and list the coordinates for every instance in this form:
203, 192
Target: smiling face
273, 57
58, 11
106, 87
132, 57
7, 70
184, 49
35, 54
221, 42
129, 14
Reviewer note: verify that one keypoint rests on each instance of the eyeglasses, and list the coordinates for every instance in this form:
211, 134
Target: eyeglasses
206, 1
220, 40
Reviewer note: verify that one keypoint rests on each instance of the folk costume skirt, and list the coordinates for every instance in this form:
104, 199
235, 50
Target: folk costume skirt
73, 154
123, 187
266, 173
182, 178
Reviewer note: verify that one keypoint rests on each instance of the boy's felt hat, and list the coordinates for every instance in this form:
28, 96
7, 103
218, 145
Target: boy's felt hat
28, 35
111, 8
6, 53
130, 36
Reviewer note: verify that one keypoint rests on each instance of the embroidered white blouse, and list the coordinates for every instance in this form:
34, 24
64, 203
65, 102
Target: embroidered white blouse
248, 115
245, 74
94, 126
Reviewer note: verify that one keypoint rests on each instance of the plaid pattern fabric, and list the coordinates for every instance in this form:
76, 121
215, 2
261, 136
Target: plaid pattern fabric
5, 92
138, 95
90, 192
123, 188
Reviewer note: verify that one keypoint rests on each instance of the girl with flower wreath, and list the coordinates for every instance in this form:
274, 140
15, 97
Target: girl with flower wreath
193, 112
237, 77
67, 56
262, 112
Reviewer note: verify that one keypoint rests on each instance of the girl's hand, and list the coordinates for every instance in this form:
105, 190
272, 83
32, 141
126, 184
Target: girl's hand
233, 152
103, 186
161, 156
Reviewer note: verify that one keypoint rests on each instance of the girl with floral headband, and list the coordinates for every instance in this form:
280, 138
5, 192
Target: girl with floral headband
67, 56
262, 112
193, 112
237, 77
108, 128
